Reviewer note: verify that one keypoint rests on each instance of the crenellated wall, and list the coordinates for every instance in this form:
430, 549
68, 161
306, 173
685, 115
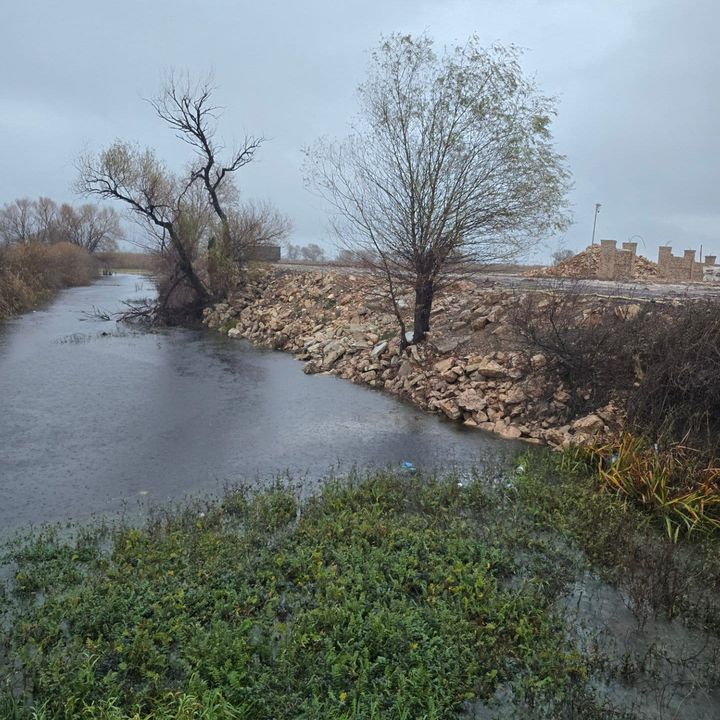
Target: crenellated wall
614, 264
685, 268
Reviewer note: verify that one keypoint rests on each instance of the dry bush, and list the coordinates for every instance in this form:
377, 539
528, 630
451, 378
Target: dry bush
586, 340
31, 272
661, 361
69, 265
678, 396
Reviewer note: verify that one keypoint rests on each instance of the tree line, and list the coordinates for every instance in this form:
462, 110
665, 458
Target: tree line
43, 220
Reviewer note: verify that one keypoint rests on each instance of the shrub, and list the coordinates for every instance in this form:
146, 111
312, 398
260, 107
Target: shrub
661, 361
31, 272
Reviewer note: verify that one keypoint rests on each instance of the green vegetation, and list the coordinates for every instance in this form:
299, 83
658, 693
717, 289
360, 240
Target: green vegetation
383, 597
31, 273
672, 482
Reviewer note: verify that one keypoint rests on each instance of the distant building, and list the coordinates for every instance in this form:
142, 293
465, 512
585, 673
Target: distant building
263, 253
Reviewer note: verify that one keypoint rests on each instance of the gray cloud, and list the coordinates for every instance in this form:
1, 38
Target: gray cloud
637, 89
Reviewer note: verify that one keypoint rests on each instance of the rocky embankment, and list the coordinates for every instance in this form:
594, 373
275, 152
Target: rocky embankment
472, 367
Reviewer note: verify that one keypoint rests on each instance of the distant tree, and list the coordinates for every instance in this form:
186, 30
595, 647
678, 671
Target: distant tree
90, 227
346, 257
450, 162
186, 215
312, 252
292, 252
17, 222
43, 221
562, 254
45, 215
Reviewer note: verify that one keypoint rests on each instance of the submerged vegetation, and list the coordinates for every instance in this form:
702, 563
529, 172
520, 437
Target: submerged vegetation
389, 596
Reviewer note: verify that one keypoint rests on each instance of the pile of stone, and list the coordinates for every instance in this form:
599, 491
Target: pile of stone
584, 265
470, 368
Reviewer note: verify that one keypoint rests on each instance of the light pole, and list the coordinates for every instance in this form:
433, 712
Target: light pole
597, 210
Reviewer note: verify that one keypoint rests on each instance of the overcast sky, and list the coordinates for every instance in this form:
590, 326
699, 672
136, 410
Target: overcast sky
636, 82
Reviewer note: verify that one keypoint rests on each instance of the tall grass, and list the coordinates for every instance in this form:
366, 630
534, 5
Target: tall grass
673, 482
30, 273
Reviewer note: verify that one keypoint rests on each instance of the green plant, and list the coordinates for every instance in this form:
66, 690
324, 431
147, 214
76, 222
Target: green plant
671, 482
379, 598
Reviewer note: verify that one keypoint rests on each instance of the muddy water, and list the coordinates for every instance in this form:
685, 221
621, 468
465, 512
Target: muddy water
97, 418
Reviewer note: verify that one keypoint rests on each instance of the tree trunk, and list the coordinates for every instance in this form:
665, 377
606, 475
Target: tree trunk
424, 291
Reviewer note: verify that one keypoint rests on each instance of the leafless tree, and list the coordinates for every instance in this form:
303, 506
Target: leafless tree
17, 222
255, 224
312, 252
293, 252
185, 214
43, 221
45, 214
88, 226
451, 162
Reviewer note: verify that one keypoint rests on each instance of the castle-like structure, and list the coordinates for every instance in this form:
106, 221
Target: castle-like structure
619, 264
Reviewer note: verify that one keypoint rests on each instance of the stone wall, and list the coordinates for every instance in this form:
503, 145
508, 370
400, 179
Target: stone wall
614, 264
685, 268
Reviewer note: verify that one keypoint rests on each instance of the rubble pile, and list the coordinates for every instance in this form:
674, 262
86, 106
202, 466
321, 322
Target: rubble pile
470, 369
584, 265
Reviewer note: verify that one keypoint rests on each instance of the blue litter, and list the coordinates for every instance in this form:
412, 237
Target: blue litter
408, 466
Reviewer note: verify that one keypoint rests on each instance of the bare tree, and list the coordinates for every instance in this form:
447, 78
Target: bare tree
45, 215
17, 222
184, 214
450, 162
43, 221
88, 226
255, 224
312, 252
293, 251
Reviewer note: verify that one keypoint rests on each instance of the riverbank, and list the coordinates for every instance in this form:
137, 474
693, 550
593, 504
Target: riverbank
474, 368
382, 596
31, 273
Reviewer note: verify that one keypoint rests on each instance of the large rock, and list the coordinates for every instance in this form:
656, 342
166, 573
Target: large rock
515, 395
471, 400
491, 369
405, 369
330, 358
444, 365
379, 349
589, 424
445, 345
450, 408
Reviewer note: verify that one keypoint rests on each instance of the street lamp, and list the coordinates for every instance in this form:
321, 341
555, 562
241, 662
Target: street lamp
597, 210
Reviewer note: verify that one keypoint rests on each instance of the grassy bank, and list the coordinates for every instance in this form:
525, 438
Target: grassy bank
389, 596
31, 273
129, 261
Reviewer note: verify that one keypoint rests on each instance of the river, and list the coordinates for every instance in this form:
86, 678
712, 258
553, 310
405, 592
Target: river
97, 418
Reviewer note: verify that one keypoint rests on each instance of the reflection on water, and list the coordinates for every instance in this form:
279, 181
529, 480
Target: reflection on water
96, 415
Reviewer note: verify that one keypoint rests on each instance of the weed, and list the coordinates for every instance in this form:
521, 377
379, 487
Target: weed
380, 599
